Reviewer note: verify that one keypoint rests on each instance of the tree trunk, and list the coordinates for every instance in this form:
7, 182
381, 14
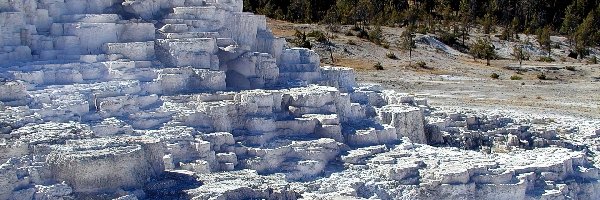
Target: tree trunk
520, 63
410, 56
463, 36
331, 54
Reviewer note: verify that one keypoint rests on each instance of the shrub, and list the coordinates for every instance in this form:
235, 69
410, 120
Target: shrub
563, 59
556, 46
448, 38
505, 35
318, 35
541, 76
515, 77
546, 59
385, 45
362, 34
573, 54
494, 76
349, 33
300, 40
356, 28
334, 28
570, 68
378, 66
351, 42
594, 60
422, 29
421, 64
376, 35
391, 55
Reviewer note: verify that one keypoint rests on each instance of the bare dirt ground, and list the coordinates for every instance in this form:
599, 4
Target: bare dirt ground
454, 79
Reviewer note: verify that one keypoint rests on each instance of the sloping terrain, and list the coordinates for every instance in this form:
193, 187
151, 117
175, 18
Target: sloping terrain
452, 78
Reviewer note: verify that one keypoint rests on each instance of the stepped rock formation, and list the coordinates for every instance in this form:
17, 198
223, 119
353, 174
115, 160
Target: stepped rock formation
166, 99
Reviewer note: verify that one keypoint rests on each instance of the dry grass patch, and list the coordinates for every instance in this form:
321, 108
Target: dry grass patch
358, 65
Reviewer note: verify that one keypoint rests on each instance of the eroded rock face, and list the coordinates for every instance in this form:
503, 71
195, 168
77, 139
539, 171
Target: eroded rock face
425, 172
101, 165
162, 99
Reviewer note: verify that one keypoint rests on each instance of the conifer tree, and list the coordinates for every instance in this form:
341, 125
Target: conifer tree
544, 39
407, 41
483, 49
586, 34
465, 18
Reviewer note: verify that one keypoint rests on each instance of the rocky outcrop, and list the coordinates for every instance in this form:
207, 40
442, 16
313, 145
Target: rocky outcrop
191, 99
106, 166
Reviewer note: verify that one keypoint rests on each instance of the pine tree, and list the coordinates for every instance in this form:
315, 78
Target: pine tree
483, 49
571, 20
519, 54
407, 41
544, 39
586, 34
488, 23
363, 12
514, 26
346, 10
465, 18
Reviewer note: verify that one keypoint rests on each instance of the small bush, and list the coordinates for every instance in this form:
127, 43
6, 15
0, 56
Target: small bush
573, 54
556, 46
570, 68
362, 34
422, 29
391, 55
385, 45
421, 64
376, 35
349, 33
541, 76
563, 59
504, 35
318, 35
334, 28
356, 28
448, 38
515, 77
351, 42
594, 60
301, 40
546, 59
494, 76
378, 66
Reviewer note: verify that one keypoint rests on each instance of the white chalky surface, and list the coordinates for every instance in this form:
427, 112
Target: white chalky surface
190, 99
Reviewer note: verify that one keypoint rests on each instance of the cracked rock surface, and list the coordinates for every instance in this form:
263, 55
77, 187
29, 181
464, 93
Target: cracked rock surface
188, 99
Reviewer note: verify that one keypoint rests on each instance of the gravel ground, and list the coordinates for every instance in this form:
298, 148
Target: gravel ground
456, 80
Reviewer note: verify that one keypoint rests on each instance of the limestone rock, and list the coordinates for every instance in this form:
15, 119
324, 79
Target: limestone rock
90, 166
183, 99
407, 120
53, 191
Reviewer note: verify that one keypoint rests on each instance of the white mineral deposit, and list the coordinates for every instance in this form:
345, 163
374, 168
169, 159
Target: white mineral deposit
195, 99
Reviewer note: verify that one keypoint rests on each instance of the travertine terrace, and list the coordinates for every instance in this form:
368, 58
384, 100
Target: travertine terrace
192, 99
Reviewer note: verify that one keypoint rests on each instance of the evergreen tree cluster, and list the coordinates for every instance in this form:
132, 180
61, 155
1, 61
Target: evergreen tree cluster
577, 19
